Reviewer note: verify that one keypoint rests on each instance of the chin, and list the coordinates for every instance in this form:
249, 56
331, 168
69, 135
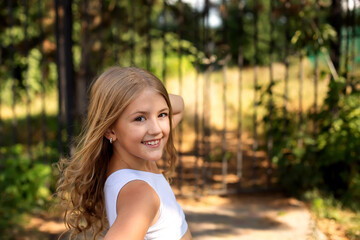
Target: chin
155, 159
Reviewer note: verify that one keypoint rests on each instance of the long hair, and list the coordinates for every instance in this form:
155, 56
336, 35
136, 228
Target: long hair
82, 179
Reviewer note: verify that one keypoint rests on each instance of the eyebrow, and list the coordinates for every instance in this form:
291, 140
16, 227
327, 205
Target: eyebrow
145, 112
164, 109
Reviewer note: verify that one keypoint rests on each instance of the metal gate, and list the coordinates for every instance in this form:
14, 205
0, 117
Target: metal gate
237, 54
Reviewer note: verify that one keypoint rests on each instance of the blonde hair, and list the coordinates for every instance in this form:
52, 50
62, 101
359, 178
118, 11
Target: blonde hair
81, 183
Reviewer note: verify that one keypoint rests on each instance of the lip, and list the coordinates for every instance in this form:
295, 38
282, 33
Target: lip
152, 143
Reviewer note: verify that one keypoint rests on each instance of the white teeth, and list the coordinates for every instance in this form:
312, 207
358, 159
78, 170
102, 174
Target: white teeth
152, 142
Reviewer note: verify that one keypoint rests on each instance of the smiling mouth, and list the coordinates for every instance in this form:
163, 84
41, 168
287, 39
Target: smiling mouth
151, 143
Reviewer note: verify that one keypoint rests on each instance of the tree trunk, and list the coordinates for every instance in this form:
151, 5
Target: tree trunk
65, 65
84, 72
335, 19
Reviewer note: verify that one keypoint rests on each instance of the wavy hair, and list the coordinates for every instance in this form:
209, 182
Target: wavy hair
81, 184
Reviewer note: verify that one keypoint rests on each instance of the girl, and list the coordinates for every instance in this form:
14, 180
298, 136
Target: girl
113, 172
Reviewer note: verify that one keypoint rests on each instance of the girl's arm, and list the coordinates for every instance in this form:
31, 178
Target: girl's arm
177, 104
137, 209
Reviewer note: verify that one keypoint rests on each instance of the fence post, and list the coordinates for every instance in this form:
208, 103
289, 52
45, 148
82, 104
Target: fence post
164, 30
224, 61
271, 99
287, 65
206, 143
59, 73
347, 45
65, 66
42, 80
180, 127
69, 77
1, 122
148, 34
301, 85
255, 141
316, 77
132, 36
12, 70
239, 153
27, 84
354, 38
196, 114
164, 51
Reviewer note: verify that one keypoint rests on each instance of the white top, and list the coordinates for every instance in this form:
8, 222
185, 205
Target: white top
171, 224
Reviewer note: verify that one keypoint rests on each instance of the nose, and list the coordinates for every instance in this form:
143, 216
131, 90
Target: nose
154, 127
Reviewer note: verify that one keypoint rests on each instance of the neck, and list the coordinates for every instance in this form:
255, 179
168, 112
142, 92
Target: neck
117, 163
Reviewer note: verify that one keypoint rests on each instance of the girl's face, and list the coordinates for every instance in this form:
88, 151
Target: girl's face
143, 128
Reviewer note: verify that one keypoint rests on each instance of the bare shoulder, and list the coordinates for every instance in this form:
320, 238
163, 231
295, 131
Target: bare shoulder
137, 208
136, 191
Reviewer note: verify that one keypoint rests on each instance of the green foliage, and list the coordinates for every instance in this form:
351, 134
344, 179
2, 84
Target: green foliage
218, 155
288, 154
326, 157
339, 141
321, 164
326, 206
24, 183
310, 30
241, 31
323, 206
27, 60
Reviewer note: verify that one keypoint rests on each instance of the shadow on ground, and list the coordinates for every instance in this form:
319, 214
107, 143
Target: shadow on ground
242, 217
259, 216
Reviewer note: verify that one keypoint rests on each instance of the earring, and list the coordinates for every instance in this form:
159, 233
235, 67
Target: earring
110, 140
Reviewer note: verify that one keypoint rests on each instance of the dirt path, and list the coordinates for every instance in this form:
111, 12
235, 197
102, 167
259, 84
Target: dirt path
241, 217
244, 217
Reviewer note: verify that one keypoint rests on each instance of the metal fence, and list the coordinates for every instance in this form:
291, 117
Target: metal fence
223, 57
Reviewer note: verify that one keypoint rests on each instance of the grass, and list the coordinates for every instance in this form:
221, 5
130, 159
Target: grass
215, 107
35, 106
335, 220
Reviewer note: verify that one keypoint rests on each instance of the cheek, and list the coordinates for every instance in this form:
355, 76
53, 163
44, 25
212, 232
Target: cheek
165, 125
130, 132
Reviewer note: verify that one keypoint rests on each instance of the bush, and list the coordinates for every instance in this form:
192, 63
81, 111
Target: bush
24, 185
327, 159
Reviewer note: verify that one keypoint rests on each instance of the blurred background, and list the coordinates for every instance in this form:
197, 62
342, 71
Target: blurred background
271, 88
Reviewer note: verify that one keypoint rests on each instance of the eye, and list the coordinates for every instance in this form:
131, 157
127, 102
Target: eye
163, 115
140, 119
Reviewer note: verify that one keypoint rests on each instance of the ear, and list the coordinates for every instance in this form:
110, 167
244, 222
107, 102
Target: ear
110, 133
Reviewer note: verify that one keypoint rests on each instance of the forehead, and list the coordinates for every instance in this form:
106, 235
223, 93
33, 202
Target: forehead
146, 100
